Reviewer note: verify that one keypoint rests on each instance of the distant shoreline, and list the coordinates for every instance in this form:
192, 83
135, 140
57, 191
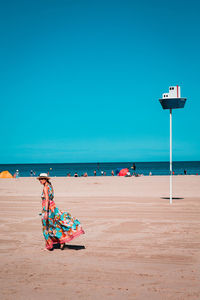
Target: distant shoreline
99, 176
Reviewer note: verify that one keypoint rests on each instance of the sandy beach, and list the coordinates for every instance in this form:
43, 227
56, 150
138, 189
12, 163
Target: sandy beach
136, 246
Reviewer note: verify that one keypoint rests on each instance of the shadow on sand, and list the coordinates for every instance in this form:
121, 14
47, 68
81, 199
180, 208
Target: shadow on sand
173, 198
70, 247
74, 247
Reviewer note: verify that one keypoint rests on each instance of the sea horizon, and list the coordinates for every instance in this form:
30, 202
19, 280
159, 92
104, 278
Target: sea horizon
131, 161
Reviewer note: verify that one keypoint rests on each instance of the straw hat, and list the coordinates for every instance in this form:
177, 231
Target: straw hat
43, 176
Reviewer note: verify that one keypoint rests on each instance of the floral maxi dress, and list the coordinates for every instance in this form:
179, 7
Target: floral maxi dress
60, 227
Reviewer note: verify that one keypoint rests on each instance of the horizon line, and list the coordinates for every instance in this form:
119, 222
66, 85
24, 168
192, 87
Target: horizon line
99, 162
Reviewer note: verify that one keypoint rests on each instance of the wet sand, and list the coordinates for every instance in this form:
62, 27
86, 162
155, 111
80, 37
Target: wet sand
136, 246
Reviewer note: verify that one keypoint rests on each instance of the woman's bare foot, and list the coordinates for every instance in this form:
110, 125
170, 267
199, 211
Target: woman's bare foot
62, 246
47, 247
44, 249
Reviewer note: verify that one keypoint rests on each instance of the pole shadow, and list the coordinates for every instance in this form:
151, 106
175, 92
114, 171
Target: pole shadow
173, 198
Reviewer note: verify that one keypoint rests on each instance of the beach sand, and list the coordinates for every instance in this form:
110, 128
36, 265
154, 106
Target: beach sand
136, 246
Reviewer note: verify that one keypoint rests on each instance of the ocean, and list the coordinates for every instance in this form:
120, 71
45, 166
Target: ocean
62, 169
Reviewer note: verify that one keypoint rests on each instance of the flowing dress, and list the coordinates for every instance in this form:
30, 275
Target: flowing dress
60, 227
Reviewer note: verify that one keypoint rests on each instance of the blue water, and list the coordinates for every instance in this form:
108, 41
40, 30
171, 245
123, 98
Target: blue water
62, 169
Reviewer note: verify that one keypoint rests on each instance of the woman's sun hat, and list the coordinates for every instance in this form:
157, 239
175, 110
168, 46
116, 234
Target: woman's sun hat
43, 176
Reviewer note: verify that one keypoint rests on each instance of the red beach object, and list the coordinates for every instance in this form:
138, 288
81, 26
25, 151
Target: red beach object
123, 172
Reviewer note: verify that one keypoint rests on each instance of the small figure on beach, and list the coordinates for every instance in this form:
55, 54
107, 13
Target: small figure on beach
102, 173
185, 172
31, 173
150, 174
134, 170
95, 173
112, 173
16, 175
85, 174
58, 227
128, 174
68, 174
75, 174
133, 167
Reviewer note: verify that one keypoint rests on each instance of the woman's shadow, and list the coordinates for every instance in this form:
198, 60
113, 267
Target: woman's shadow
74, 247
70, 247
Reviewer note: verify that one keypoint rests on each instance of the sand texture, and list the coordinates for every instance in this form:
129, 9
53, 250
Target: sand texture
136, 245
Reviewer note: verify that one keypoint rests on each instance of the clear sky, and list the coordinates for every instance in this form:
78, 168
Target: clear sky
80, 80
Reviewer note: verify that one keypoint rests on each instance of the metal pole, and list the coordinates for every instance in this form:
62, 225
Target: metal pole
170, 156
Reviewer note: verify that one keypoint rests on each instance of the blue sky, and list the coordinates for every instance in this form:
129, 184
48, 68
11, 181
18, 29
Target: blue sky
81, 79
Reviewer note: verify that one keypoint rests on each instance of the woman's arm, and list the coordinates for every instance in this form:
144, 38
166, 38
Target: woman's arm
46, 195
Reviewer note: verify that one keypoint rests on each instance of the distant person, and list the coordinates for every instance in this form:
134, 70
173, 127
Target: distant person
31, 173
128, 174
75, 174
185, 172
17, 174
68, 174
133, 167
95, 173
173, 172
58, 227
150, 174
85, 174
112, 173
102, 173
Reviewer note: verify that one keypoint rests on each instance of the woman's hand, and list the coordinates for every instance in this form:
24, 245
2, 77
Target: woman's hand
45, 216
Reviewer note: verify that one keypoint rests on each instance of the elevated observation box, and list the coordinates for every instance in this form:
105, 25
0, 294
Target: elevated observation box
172, 99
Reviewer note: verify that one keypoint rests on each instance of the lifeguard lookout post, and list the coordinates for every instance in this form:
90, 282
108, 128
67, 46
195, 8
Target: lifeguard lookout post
172, 100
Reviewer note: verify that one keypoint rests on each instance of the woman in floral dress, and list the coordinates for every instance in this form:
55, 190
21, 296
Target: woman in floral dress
58, 227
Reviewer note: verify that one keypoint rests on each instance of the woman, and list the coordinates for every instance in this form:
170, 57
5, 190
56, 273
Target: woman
58, 227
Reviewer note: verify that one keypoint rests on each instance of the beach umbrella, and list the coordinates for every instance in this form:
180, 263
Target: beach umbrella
123, 172
5, 174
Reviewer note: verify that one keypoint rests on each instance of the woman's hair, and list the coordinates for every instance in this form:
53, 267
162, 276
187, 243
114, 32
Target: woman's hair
48, 181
